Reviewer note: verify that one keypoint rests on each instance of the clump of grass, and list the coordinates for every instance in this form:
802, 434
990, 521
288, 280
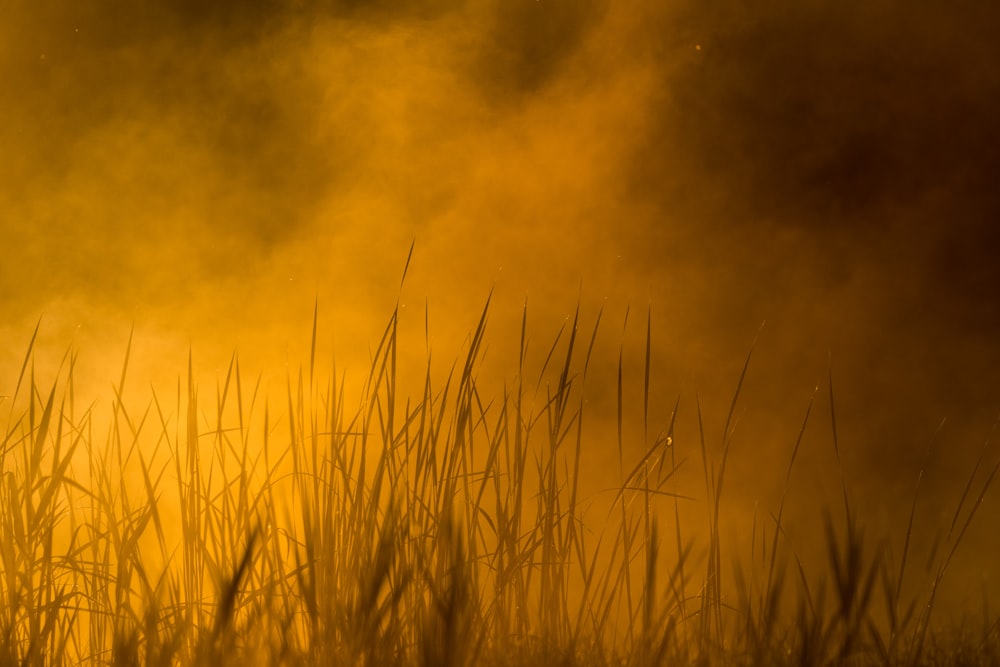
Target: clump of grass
449, 528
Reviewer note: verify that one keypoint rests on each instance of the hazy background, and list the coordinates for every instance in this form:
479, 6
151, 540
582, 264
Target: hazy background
206, 172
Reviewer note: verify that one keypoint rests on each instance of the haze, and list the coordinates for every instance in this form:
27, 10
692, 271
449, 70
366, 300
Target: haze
209, 172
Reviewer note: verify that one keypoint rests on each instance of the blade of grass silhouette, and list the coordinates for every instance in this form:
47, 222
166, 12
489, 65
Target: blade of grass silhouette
784, 492
626, 538
968, 485
312, 342
231, 588
894, 589
836, 440
24, 365
406, 265
645, 379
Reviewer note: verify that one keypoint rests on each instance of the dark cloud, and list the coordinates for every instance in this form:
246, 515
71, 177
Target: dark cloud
159, 135
826, 110
867, 130
525, 43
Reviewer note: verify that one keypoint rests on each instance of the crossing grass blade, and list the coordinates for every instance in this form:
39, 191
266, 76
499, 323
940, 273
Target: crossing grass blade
452, 527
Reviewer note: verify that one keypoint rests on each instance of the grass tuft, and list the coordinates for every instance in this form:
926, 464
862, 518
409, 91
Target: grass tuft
449, 528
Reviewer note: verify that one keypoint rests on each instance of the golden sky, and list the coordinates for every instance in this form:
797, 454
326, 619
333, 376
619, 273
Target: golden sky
207, 171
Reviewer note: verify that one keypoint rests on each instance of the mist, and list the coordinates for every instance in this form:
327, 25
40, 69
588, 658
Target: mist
208, 175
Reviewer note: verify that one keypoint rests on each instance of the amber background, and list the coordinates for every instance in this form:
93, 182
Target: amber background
207, 173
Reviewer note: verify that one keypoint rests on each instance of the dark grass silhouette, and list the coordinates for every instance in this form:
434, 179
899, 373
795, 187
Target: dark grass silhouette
443, 529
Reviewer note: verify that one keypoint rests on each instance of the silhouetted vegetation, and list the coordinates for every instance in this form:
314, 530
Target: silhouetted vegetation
445, 529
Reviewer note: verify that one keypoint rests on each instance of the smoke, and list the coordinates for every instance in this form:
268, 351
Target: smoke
207, 171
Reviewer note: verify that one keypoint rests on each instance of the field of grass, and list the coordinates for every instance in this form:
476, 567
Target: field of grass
445, 528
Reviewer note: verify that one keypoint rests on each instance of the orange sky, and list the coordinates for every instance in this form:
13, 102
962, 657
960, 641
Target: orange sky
208, 174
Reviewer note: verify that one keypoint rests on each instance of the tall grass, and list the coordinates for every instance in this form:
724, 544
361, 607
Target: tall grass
447, 528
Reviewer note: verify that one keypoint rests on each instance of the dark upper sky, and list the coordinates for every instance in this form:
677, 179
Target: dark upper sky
205, 170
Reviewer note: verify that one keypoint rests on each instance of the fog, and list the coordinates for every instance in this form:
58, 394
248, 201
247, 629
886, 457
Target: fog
209, 174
